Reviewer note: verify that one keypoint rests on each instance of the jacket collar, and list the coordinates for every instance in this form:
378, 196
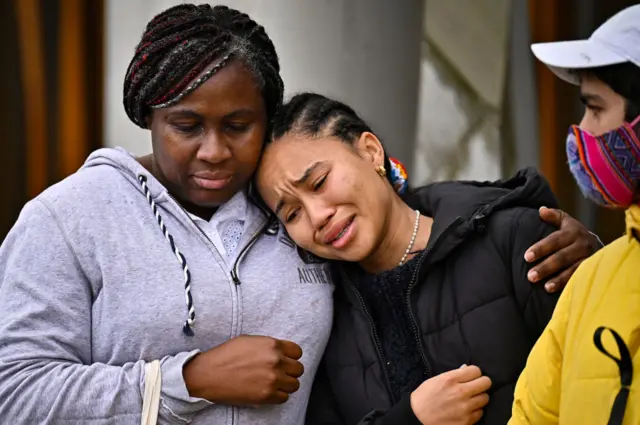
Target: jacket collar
461, 207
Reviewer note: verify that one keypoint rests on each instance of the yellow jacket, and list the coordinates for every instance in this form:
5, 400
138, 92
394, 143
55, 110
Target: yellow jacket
568, 380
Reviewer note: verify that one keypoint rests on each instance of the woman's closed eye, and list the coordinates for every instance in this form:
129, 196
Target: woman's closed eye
318, 183
187, 128
291, 215
236, 127
591, 107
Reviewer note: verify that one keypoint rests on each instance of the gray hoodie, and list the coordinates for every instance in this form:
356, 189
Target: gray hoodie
90, 290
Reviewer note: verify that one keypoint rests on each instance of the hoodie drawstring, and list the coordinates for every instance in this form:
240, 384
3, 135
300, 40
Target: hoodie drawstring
191, 311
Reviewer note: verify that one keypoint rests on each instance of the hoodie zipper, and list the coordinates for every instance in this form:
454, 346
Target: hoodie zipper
236, 264
245, 249
374, 334
236, 280
234, 270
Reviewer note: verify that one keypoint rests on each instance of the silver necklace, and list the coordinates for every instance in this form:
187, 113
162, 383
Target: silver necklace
416, 226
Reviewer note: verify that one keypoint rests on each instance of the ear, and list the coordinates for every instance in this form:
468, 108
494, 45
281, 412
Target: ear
370, 148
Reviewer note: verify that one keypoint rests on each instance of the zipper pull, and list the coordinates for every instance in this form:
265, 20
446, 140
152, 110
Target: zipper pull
235, 278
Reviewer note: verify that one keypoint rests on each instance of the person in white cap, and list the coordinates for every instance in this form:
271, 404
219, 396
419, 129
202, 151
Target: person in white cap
585, 367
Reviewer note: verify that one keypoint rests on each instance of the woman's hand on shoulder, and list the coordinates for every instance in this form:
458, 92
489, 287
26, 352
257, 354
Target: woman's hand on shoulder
247, 370
562, 251
456, 397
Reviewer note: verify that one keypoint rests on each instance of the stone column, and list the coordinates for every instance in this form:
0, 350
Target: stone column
365, 53
463, 75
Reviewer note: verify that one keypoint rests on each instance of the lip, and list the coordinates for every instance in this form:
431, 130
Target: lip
347, 225
211, 181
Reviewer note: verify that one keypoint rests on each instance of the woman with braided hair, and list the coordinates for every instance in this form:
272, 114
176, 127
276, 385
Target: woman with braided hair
96, 272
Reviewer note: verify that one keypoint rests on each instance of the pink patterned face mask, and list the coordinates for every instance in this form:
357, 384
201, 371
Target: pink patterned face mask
606, 167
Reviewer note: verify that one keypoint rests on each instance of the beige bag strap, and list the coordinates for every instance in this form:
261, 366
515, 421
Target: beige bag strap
151, 398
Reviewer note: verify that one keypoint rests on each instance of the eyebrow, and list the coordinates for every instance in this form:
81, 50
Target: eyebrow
240, 112
590, 97
190, 113
299, 182
184, 113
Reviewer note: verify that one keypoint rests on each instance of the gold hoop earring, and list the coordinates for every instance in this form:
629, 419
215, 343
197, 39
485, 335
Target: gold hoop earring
381, 171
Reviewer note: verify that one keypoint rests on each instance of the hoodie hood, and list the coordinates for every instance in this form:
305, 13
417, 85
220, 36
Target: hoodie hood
144, 182
467, 205
127, 165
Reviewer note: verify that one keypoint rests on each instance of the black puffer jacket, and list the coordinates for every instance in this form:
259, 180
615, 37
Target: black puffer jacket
471, 303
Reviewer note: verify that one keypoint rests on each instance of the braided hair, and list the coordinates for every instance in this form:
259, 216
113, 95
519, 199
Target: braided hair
313, 115
180, 43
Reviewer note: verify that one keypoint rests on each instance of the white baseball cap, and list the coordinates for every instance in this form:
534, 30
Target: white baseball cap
614, 42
